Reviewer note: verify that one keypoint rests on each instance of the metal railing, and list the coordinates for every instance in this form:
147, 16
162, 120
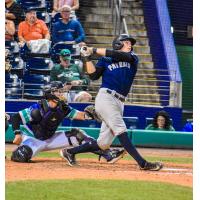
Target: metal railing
151, 88
119, 21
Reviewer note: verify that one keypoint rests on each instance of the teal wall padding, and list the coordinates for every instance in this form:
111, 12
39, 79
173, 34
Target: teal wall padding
142, 138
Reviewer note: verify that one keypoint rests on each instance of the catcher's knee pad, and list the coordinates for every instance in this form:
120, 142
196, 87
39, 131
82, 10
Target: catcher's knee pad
22, 154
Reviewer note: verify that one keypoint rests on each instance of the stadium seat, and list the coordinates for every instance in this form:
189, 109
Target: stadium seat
35, 79
131, 122
12, 46
13, 93
17, 66
12, 79
41, 66
33, 91
32, 3
34, 94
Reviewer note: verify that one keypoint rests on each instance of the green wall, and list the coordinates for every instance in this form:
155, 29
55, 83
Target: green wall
185, 56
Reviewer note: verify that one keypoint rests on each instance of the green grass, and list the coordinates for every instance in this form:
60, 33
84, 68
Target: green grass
178, 160
95, 190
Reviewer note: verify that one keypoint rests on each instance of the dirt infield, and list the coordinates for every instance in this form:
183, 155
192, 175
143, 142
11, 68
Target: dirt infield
56, 168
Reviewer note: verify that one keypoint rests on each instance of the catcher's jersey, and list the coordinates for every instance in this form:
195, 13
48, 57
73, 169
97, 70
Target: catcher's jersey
50, 119
118, 75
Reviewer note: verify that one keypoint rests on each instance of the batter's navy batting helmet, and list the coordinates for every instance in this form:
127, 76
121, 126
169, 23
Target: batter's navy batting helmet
52, 87
117, 43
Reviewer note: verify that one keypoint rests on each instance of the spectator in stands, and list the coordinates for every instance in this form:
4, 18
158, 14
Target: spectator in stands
161, 122
32, 28
67, 29
9, 30
72, 76
188, 127
58, 4
14, 11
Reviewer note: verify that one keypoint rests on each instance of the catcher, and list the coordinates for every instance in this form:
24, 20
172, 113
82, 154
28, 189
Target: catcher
42, 119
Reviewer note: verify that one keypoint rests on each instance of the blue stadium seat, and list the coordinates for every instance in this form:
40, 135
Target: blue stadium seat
40, 66
49, 5
33, 91
12, 79
17, 66
31, 3
12, 46
131, 122
35, 79
33, 94
13, 93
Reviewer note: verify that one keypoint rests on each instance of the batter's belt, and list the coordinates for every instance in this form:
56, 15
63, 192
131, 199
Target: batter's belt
116, 95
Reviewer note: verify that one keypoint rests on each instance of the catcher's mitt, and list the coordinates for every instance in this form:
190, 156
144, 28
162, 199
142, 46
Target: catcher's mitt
91, 113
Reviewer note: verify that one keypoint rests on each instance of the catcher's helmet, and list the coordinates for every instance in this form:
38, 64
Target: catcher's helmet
117, 42
48, 90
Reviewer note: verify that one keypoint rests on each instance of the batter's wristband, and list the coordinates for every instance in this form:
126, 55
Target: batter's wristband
94, 50
86, 59
17, 132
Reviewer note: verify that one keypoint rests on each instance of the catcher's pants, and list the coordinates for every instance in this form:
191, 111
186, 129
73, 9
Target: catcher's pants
57, 141
111, 110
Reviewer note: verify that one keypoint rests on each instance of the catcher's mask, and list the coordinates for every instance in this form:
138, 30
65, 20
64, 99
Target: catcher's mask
54, 91
117, 43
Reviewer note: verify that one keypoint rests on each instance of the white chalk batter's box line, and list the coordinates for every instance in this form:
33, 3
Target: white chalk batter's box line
178, 171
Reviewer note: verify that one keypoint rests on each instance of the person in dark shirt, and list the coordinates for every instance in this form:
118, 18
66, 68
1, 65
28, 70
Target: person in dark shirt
161, 122
67, 29
14, 11
71, 75
117, 68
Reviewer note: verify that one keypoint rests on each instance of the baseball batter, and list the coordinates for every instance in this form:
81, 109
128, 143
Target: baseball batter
42, 119
117, 68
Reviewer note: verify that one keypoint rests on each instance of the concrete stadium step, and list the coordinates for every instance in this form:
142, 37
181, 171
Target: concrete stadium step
105, 3
110, 31
142, 57
108, 18
137, 49
108, 11
145, 90
108, 40
106, 24
145, 65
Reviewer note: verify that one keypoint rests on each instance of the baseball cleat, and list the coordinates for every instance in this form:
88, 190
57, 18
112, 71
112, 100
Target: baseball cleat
70, 158
116, 155
152, 166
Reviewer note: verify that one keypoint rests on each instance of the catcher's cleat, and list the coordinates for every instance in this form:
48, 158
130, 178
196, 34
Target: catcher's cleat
152, 166
116, 155
70, 158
